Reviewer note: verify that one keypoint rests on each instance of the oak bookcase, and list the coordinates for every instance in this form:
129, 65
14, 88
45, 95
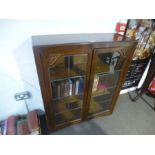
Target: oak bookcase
80, 75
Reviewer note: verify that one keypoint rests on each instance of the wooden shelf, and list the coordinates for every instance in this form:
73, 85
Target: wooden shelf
96, 107
72, 98
100, 93
67, 116
107, 73
67, 104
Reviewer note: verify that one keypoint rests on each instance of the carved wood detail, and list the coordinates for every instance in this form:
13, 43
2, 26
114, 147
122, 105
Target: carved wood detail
122, 52
52, 58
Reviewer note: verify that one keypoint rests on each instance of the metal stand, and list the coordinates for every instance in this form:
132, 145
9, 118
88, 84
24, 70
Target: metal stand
144, 88
139, 95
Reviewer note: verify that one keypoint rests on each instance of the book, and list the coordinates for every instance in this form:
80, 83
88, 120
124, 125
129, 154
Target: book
11, 125
76, 86
81, 86
68, 88
73, 87
66, 91
102, 86
62, 89
22, 127
96, 80
33, 123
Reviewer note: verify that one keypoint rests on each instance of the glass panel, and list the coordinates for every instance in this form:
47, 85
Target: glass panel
69, 66
67, 84
97, 107
103, 81
107, 70
108, 62
67, 116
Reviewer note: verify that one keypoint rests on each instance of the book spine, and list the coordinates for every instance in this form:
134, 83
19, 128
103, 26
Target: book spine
66, 89
96, 81
81, 86
62, 89
70, 87
73, 86
76, 87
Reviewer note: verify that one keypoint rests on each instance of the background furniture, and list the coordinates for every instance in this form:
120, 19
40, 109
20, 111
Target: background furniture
143, 31
144, 88
80, 75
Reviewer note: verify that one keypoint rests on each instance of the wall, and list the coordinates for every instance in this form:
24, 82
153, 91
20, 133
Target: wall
16, 34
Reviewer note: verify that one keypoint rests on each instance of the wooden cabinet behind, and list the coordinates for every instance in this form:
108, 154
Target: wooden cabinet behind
80, 79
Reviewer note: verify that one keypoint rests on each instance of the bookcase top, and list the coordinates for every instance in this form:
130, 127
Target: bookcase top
82, 38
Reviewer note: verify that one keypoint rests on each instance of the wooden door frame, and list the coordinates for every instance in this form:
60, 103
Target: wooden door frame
42, 62
129, 52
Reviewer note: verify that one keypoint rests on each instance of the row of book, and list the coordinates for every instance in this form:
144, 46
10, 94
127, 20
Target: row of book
21, 125
69, 87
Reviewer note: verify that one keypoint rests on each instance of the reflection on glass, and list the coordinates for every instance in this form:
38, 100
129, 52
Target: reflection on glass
67, 116
108, 62
107, 70
69, 66
67, 83
104, 81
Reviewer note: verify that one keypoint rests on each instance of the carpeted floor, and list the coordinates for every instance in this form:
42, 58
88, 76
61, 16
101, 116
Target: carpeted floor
128, 118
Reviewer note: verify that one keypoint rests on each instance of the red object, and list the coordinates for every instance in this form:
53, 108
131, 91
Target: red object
102, 86
32, 119
23, 128
120, 27
11, 125
152, 86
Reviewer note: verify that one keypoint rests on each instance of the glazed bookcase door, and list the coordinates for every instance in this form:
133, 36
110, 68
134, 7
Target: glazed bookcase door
66, 81
107, 68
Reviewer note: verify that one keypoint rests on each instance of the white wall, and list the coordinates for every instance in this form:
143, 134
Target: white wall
17, 33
